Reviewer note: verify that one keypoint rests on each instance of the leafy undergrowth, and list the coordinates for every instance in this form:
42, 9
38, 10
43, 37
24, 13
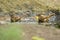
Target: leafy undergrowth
11, 32
18, 5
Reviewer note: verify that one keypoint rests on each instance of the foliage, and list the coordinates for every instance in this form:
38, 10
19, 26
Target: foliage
35, 5
57, 25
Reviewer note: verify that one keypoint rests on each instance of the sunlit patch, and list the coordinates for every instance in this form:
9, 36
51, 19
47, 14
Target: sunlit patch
37, 38
36, 17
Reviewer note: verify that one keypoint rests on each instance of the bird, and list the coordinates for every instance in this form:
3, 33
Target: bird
43, 18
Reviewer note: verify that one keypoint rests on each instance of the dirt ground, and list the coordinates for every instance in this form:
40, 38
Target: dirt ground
46, 31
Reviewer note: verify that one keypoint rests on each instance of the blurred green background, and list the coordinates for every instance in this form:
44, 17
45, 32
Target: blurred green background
11, 32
